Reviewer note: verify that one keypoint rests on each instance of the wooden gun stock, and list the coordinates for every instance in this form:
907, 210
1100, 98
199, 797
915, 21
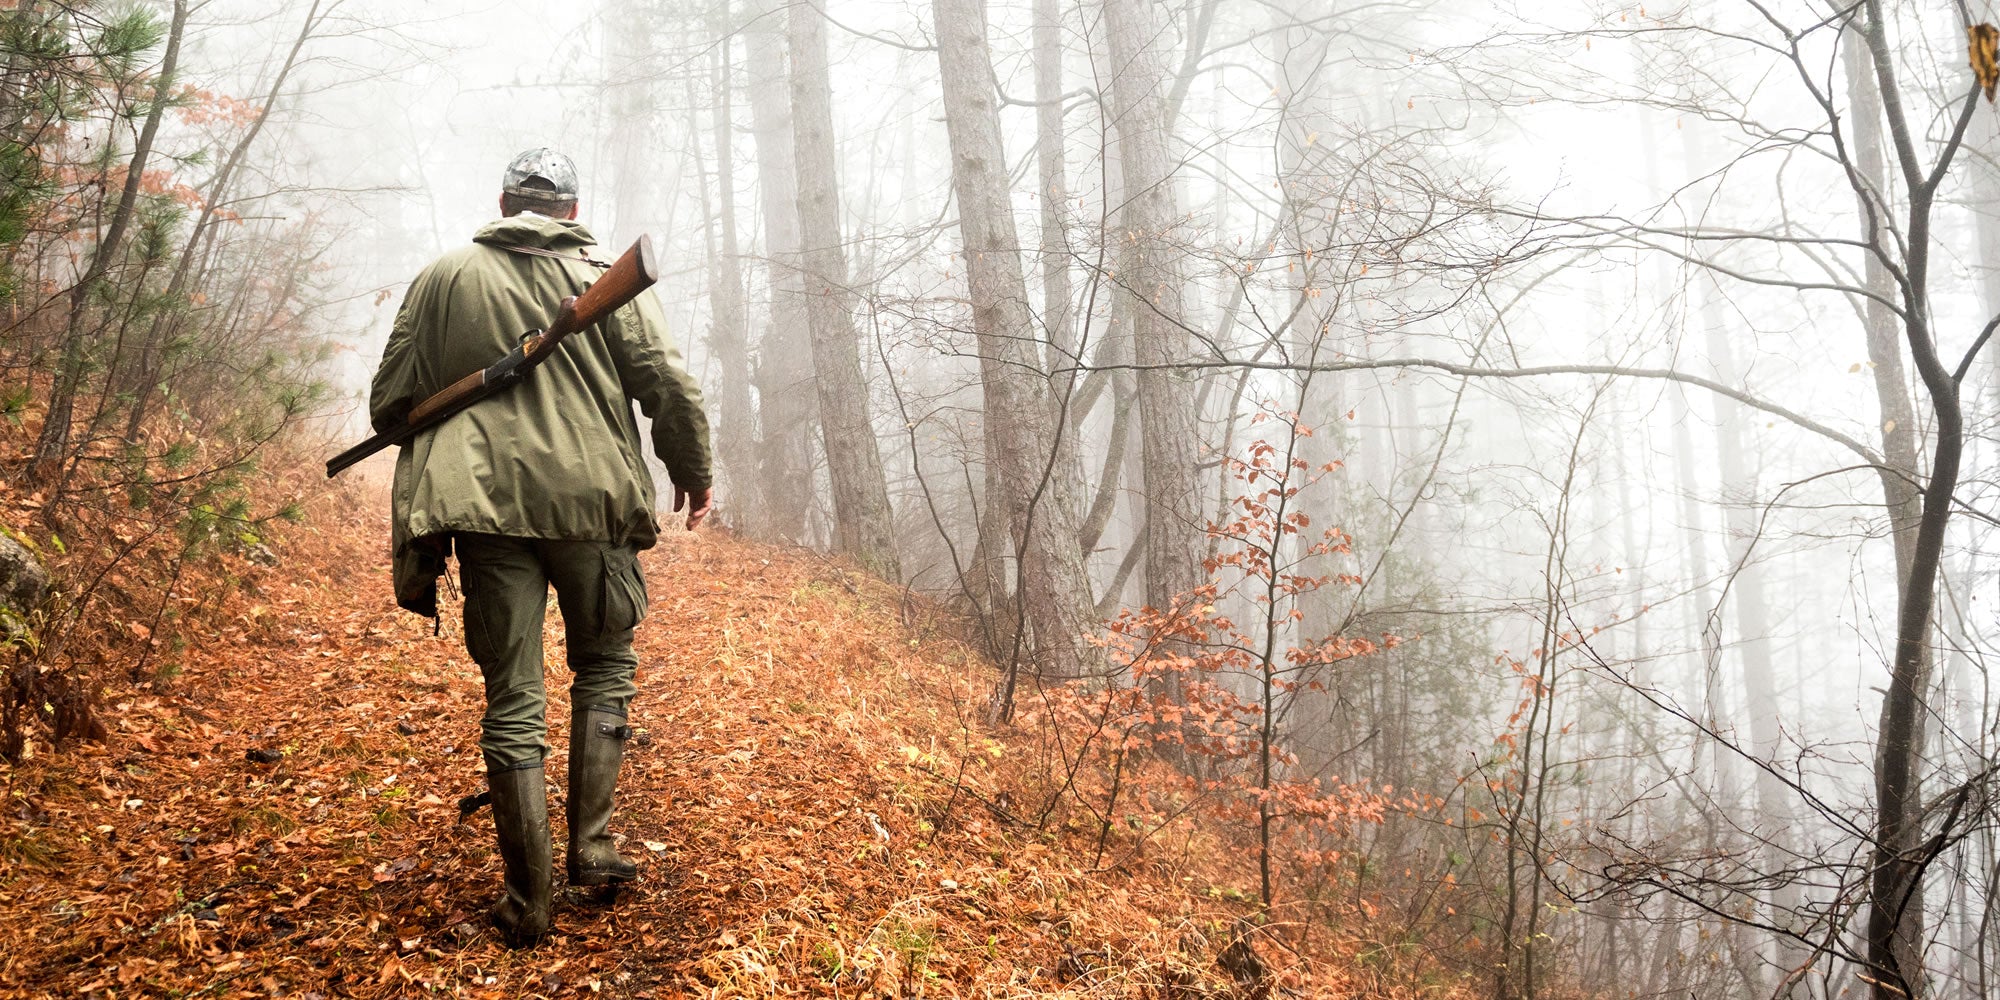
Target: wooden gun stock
630, 274
634, 272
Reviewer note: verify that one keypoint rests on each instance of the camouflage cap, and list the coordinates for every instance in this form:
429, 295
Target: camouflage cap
555, 171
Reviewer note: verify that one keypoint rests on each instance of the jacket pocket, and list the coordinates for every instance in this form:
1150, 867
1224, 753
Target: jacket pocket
625, 597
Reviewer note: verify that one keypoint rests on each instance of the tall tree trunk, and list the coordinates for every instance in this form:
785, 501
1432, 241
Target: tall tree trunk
1105, 501
1339, 704
1978, 898
1986, 199
1714, 770
1149, 280
1049, 158
862, 517
52, 445
186, 274
1746, 586
788, 414
1753, 629
1029, 448
992, 590
1895, 920
1307, 113
1884, 330
631, 35
1895, 929
735, 417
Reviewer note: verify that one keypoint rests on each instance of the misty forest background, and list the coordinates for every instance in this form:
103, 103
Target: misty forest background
1571, 426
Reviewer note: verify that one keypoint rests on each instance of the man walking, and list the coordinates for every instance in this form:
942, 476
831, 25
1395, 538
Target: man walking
542, 484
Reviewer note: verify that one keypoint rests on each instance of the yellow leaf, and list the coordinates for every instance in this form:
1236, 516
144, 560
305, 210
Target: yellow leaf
1983, 49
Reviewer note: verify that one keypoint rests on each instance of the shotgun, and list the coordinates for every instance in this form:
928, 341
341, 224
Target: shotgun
631, 274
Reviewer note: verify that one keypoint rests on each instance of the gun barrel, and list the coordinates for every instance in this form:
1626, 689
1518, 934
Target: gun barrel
342, 462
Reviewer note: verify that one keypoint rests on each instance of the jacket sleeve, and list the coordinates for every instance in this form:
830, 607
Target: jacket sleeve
394, 390
651, 371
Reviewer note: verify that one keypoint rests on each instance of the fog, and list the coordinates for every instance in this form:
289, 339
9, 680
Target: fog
1637, 354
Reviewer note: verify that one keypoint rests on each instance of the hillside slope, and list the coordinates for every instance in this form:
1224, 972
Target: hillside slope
815, 804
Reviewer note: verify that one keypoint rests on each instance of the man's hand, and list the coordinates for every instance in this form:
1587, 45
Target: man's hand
697, 504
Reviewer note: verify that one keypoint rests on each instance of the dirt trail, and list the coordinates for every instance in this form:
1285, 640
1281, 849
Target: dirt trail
784, 803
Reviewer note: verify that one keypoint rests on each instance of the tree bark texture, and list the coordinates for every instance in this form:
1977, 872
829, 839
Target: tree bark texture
1148, 277
788, 410
862, 516
1055, 251
736, 420
1895, 928
1026, 437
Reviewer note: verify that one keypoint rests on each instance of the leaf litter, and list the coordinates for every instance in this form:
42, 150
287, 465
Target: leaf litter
814, 804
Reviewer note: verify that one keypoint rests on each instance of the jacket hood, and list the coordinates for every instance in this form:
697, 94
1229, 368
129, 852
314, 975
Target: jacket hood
530, 230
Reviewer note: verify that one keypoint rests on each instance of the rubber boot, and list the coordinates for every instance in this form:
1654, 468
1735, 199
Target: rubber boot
596, 748
521, 818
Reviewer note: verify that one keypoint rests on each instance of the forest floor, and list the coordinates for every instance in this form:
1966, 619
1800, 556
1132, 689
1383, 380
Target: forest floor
816, 804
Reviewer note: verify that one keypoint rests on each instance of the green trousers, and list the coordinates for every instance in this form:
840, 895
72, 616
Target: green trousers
506, 582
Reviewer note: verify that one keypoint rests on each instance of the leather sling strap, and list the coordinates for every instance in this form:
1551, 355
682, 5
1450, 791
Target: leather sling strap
539, 252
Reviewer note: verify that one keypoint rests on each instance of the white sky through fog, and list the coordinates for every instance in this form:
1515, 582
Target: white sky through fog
436, 114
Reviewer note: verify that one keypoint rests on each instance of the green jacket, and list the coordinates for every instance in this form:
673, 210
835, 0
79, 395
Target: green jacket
555, 457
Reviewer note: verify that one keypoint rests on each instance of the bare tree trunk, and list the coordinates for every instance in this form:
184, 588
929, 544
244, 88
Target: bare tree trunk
862, 517
186, 275
1986, 201
1884, 332
1307, 113
1049, 158
1033, 456
631, 35
1707, 768
735, 418
1753, 627
993, 594
1105, 502
789, 407
1895, 929
53, 443
1149, 280
1979, 896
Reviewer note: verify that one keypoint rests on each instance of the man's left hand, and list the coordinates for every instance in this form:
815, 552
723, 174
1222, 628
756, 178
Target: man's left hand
697, 504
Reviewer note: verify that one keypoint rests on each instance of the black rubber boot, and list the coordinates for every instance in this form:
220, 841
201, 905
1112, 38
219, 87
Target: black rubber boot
596, 749
521, 817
